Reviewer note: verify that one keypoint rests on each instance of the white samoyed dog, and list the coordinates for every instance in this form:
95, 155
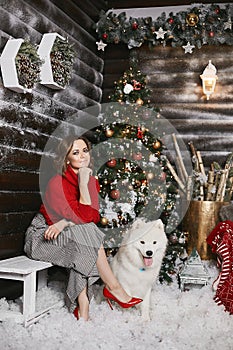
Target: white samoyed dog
138, 260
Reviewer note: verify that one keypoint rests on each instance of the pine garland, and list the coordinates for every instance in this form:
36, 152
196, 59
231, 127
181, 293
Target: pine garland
28, 65
198, 26
62, 58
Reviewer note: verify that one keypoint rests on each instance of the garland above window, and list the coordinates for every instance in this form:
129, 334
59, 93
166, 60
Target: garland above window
198, 26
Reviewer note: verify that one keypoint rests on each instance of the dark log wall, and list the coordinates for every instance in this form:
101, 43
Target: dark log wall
174, 78
28, 120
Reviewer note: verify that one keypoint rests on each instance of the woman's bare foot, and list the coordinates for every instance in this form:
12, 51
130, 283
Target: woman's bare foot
119, 293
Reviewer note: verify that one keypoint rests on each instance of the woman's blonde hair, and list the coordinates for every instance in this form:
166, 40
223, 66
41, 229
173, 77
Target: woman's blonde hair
64, 149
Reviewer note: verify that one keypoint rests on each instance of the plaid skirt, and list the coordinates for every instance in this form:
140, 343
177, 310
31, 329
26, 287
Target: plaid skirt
75, 248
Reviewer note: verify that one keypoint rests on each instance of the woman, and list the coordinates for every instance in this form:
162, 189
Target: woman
64, 232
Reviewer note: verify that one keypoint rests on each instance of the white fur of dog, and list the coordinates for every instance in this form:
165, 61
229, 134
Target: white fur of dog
138, 260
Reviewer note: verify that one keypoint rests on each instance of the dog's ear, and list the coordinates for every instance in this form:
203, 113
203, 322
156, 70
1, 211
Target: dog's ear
160, 224
137, 223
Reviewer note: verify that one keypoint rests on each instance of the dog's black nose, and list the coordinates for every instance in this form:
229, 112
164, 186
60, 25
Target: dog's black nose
149, 252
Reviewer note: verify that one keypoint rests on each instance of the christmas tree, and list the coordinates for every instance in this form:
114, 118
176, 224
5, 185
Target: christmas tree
134, 179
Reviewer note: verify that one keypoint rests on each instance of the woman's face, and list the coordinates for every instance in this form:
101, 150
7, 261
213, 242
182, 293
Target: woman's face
79, 155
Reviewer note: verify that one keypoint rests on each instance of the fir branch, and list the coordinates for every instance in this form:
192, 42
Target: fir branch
206, 24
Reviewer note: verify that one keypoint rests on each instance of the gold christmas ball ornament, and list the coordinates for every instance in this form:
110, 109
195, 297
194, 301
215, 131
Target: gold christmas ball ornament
139, 101
156, 144
109, 132
104, 221
192, 19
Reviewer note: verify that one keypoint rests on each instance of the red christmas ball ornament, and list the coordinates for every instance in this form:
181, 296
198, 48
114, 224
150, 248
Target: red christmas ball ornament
211, 34
105, 36
134, 25
115, 194
217, 10
173, 238
170, 20
112, 163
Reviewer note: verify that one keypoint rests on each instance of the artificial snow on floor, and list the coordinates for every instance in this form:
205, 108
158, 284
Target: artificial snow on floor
179, 321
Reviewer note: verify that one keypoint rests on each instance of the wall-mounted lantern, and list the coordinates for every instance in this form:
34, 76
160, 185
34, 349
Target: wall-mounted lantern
209, 78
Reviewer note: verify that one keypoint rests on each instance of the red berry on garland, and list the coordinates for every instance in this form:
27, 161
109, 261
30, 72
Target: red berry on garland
112, 163
139, 133
136, 85
134, 25
115, 194
105, 36
211, 34
217, 10
170, 20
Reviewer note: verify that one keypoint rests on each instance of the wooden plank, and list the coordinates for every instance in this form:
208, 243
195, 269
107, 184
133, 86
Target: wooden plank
19, 181
23, 265
43, 104
11, 244
26, 201
26, 118
209, 142
92, 8
166, 52
19, 159
116, 51
15, 223
19, 138
198, 126
200, 110
116, 66
74, 12
88, 90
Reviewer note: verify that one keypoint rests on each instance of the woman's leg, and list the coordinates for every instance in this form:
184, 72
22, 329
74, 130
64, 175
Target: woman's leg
108, 277
83, 304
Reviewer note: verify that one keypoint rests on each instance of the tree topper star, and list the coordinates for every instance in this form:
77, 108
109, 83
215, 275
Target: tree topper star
160, 33
101, 45
188, 48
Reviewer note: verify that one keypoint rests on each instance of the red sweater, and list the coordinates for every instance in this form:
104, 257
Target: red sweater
61, 200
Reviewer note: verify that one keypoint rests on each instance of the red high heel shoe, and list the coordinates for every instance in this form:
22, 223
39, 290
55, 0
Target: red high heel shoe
75, 312
108, 296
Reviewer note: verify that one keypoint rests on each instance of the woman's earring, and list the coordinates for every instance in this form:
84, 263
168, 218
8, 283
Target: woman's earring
68, 162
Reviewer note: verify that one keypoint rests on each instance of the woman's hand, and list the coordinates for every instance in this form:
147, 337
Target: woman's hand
53, 230
84, 175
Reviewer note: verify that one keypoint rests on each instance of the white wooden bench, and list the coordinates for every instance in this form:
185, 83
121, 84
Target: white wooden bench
22, 268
